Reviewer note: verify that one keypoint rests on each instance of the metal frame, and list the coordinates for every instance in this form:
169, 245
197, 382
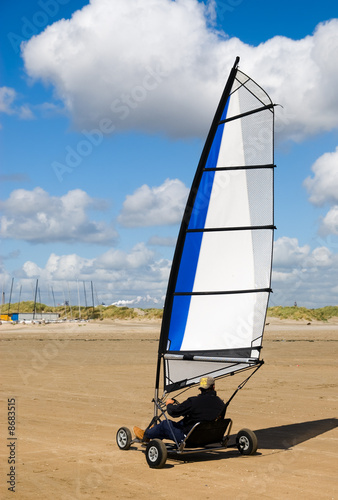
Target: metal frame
180, 448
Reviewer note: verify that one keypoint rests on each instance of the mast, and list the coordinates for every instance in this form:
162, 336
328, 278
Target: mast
53, 296
85, 295
36, 291
91, 284
190, 203
10, 297
78, 298
19, 300
187, 213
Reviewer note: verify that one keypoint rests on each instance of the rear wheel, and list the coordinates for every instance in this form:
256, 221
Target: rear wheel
123, 438
156, 454
246, 442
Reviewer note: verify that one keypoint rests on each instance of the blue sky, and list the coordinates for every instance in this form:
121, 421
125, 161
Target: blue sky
104, 108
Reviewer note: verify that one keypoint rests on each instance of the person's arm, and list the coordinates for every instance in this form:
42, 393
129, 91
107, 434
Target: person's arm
180, 409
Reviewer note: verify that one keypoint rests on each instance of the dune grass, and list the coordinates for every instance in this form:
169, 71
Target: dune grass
74, 312
301, 313
114, 312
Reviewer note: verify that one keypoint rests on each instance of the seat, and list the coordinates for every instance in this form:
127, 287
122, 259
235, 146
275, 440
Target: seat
204, 433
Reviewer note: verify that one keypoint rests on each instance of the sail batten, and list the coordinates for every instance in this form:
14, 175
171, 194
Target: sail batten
238, 167
220, 280
223, 292
213, 359
246, 228
242, 115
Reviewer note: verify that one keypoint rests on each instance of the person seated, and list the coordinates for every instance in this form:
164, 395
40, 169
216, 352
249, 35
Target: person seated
205, 407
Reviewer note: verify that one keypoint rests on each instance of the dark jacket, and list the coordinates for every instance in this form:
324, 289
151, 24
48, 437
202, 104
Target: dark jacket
207, 406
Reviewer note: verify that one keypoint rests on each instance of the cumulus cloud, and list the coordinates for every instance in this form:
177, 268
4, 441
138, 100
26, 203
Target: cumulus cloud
139, 278
8, 97
300, 274
37, 217
144, 300
287, 252
323, 190
119, 277
155, 206
118, 259
323, 185
65, 267
329, 223
160, 66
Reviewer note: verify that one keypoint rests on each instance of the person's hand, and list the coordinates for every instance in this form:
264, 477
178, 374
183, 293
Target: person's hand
169, 402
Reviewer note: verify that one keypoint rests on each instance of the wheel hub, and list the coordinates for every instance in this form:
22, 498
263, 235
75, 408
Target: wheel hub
153, 453
122, 438
244, 442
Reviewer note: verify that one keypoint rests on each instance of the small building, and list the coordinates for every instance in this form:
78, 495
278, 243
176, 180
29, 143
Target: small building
34, 316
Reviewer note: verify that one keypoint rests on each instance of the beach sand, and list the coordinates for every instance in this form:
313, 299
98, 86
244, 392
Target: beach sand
75, 384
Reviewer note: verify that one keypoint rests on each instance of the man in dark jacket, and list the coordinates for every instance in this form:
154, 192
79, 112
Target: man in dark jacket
207, 406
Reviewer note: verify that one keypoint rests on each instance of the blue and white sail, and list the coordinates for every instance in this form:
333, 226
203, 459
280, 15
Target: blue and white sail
219, 286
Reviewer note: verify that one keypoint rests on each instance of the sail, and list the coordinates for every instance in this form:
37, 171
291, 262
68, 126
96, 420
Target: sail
219, 286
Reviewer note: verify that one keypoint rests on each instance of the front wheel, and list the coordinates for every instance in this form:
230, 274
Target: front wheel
123, 438
156, 454
246, 442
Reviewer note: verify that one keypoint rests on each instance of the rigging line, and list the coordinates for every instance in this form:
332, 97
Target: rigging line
249, 90
242, 84
243, 228
228, 292
185, 390
247, 113
243, 384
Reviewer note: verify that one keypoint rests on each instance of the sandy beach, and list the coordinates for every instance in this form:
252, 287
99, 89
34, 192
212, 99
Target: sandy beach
75, 384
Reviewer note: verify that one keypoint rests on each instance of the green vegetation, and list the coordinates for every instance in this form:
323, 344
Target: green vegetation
114, 312
298, 313
73, 312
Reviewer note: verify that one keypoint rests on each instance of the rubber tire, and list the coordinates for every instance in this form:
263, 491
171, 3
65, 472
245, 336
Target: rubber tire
123, 438
246, 442
156, 454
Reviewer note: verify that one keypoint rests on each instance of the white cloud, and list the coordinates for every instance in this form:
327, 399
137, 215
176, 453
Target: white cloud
289, 255
323, 189
119, 277
329, 224
306, 276
159, 66
118, 259
65, 267
8, 96
146, 301
140, 278
323, 186
155, 206
287, 252
25, 113
37, 217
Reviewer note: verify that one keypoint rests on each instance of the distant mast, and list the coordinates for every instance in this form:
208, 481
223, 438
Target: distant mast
35, 295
